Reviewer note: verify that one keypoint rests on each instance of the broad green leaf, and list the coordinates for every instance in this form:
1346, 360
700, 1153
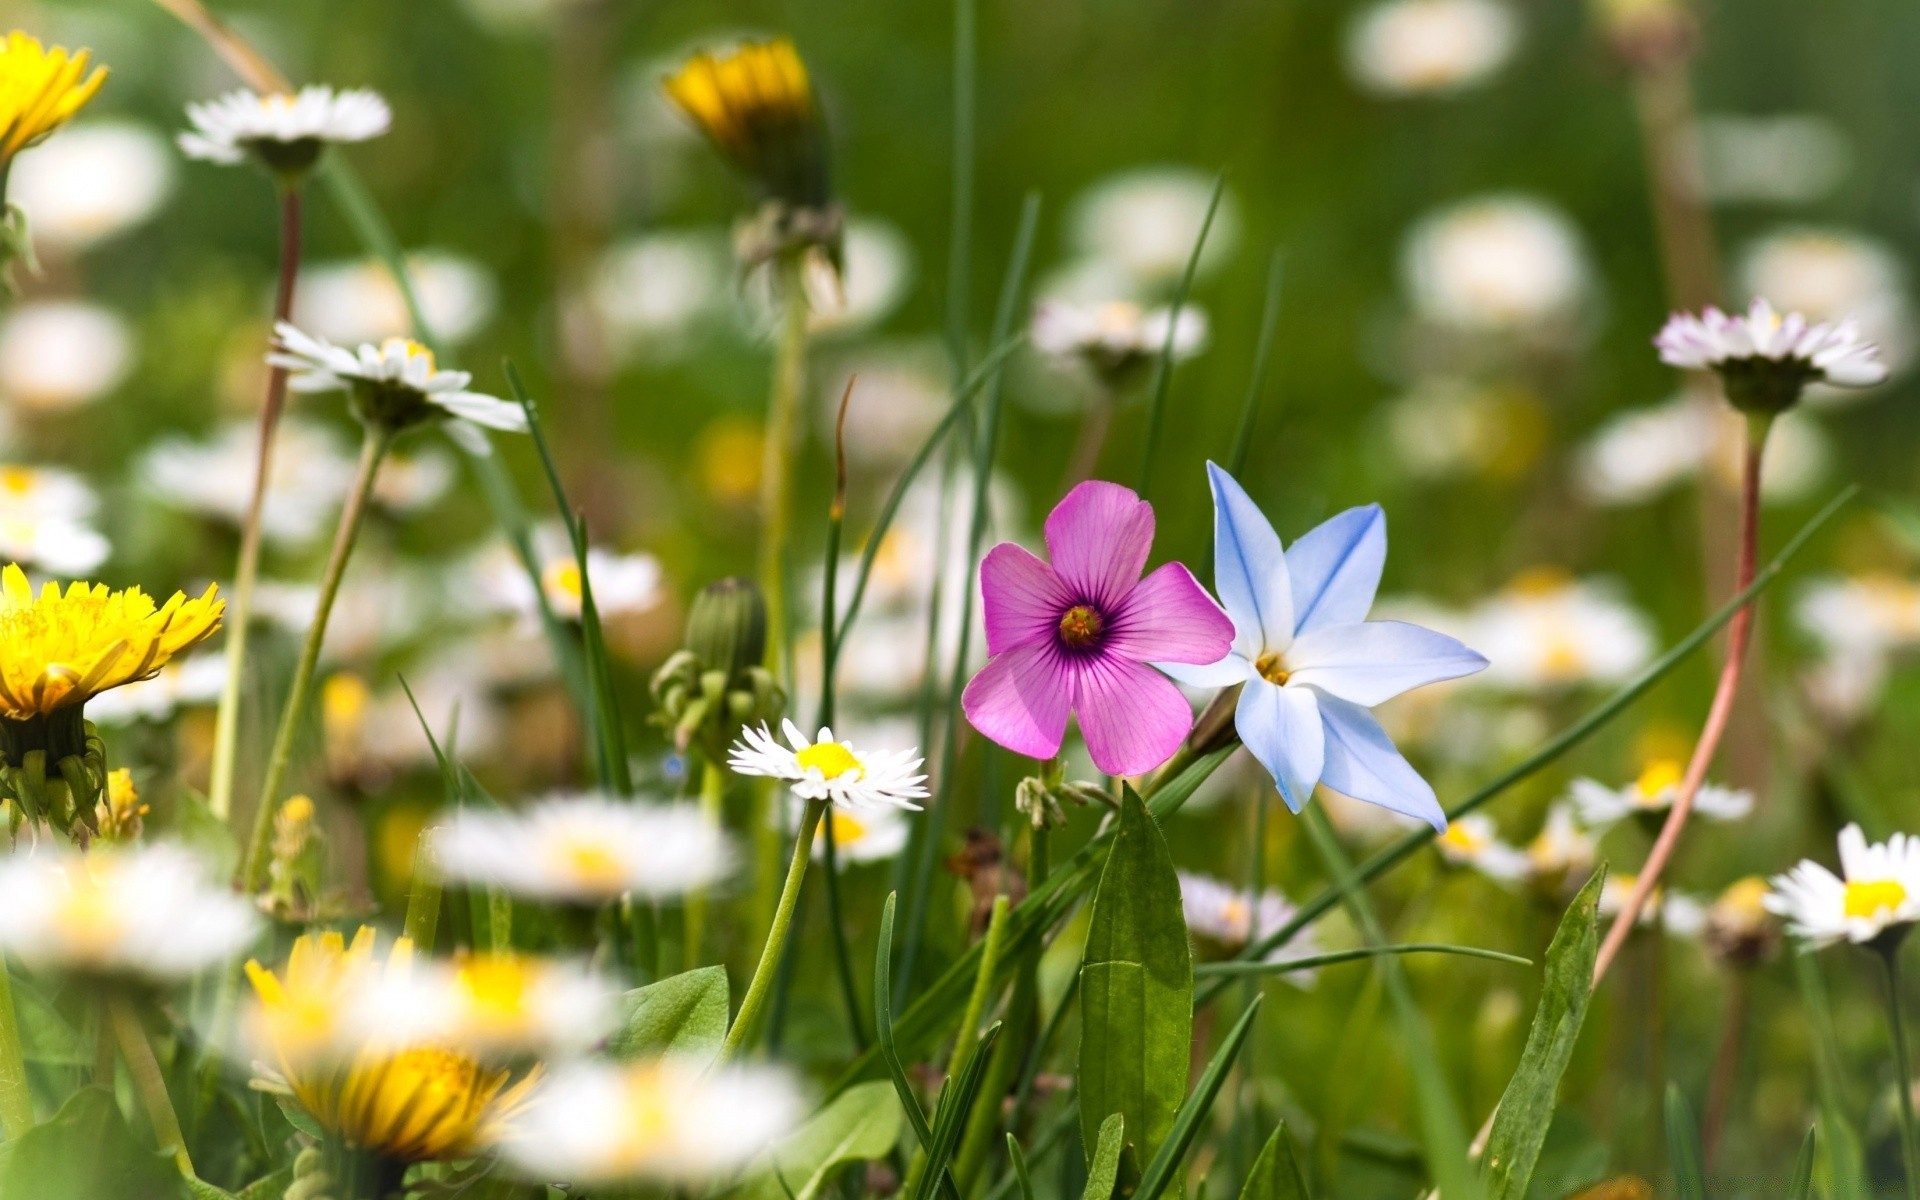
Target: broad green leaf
270, 1187
1526, 1108
1186, 1123
1683, 1147
86, 1152
46, 1036
860, 1123
683, 1014
1104, 1171
1136, 988
300, 1119
1275, 1175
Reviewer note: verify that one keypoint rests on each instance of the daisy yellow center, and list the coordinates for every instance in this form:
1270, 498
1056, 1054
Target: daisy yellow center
1235, 913
832, 760
498, 987
590, 862
1657, 780
564, 578
1080, 626
1870, 897
18, 481
412, 349
647, 1116
847, 829
87, 915
1562, 657
1463, 838
1272, 668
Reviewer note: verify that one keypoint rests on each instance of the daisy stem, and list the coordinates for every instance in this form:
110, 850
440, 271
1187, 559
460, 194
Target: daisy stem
16, 1099
776, 464
693, 914
1902, 1068
768, 965
148, 1082
1739, 631
373, 451
226, 736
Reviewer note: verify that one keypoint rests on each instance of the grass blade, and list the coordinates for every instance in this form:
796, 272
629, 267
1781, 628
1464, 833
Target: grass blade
1801, 1186
1683, 1147
1384, 861
950, 1116
1241, 970
1019, 1161
1275, 1175
1186, 1124
1163, 374
1846, 1172
1250, 407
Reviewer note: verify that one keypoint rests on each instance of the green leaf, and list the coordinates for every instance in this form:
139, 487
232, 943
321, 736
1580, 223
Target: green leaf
1683, 1147
1104, 1171
1802, 1186
1018, 1158
1275, 1175
86, 1152
683, 1014
300, 1118
192, 823
46, 1036
950, 1116
1526, 1108
1186, 1123
270, 1187
860, 1123
200, 1189
1332, 958
1136, 988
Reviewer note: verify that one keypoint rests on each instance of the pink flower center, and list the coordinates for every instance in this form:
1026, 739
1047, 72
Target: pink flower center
1080, 626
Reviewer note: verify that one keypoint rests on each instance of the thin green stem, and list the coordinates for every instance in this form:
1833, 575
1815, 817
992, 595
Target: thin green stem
373, 451
226, 734
842, 953
776, 463
1902, 1068
148, 1082
765, 970
693, 912
16, 1098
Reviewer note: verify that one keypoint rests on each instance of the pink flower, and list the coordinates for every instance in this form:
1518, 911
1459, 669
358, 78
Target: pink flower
1077, 636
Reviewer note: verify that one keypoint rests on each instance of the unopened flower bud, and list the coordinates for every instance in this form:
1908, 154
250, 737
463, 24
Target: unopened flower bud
727, 626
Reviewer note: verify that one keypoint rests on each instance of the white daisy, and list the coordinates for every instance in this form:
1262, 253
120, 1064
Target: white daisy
57, 355
1115, 338
284, 131
1761, 337
1411, 47
654, 293
587, 849
828, 769
151, 913
491, 1005
1473, 841
1563, 849
1496, 264
1877, 891
622, 583
45, 520
1222, 913
667, 1121
1831, 275
1547, 631
869, 835
1653, 792
309, 474
395, 385
97, 179
1144, 222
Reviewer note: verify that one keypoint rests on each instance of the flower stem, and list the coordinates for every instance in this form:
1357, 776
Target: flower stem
842, 955
1903, 1068
373, 450
1738, 634
226, 736
693, 913
764, 972
148, 1082
776, 464
16, 1100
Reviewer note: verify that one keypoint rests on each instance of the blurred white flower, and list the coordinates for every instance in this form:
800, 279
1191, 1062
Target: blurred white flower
1835, 275
1563, 848
587, 849
1874, 612
1654, 791
60, 354
97, 179
1877, 891
183, 683
1678, 914
370, 736
1804, 351
383, 603
1473, 841
413, 478
1793, 158
870, 835
622, 583
358, 301
1413, 47
1643, 453
832, 769
668, 1121
1547, 631
1496, 264
1115, 338
878, 275
900, 393
151, 913
308, 480
487, 1005
46, 520
1145, 222
226, 130
1227, 915
655, 291
1446, 428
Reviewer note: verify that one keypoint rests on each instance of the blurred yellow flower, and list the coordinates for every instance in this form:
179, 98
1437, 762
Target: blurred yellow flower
39, 90
406, 1103
60, 649
756, 104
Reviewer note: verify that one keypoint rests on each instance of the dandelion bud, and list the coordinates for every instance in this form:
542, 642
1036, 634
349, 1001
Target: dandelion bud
727, 627
716, 686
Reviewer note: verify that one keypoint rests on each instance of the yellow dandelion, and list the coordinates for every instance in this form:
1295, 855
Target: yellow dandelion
60, 649
756, 104
39, 90
406, 1103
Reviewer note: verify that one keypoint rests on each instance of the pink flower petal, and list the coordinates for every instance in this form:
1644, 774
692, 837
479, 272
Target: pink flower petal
1020, 700
1020, 597
1132, 716
1098, 538
1170, 618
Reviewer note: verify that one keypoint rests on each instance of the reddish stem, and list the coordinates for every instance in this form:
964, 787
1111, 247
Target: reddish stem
1716, 726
